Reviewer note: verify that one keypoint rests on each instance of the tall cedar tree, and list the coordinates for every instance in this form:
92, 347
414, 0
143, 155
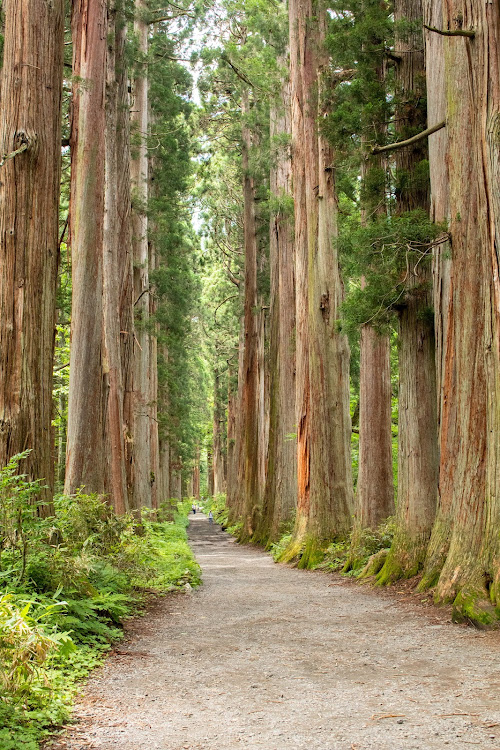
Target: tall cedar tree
417, 445
324, 503
96, 453
463, 559
30, 148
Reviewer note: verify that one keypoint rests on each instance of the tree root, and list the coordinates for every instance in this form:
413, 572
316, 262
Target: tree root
374, 564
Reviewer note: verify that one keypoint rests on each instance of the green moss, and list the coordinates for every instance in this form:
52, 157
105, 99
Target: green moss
374, 564
474, 608
292, 551
429, 580
312, 554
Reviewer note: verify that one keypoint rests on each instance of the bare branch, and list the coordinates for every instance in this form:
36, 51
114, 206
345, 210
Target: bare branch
456, 32
409, 141
238, 72
231, 296
12, 154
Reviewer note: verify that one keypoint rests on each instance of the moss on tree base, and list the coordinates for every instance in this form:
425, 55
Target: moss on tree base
374, 564
474, 608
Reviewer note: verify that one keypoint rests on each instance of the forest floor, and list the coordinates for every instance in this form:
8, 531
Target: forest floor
267, 656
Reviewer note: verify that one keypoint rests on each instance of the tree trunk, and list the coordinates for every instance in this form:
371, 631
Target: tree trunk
86, 449
112, 364
235, 438
153, 385
300, 54
29, 205
217, 465
280, 497
95, 413
125, 258
164, 492
464, 549
375, 487
323, 423
139, 177
248, 479
196, 474
417, 446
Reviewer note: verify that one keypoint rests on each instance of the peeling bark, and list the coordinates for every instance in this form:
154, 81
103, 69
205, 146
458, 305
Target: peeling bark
85, 456
29, 203
417, 442
324, 504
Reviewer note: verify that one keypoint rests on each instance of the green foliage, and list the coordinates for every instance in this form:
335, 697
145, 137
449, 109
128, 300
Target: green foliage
386, 252
69, 582
360, 546
277, 549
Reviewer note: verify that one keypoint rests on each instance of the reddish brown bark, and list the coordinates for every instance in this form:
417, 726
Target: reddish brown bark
217, 465
464, 536
235, 436
281, 482
85, 457
140, 175
125, 265
375, 487
322, 377
248, 479
300, 55
112, 364
417, 444
29, 201
96, 436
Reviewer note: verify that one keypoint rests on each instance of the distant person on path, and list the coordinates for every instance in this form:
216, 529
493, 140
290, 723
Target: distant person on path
210, 517
194, 509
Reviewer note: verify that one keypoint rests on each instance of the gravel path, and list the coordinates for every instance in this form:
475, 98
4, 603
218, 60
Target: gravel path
266, 656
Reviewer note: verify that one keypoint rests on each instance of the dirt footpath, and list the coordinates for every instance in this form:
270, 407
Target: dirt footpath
265, 656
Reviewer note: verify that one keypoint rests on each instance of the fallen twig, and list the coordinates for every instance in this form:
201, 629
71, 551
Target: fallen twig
377, 717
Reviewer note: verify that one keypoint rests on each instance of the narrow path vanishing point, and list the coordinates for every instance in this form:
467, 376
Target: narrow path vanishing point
265, 656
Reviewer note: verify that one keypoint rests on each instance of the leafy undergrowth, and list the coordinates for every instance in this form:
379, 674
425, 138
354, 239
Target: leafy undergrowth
68, 583
352, 554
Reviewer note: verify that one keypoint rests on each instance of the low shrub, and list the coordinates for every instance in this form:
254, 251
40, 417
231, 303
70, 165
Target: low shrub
68, 582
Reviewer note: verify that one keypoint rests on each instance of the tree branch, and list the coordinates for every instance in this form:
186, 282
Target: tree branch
238, 72
12, 154
231, 296
457, 32
409, 141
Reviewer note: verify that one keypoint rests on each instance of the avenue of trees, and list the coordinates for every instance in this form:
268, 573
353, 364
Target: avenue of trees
353, 202
321, 344
94, 91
